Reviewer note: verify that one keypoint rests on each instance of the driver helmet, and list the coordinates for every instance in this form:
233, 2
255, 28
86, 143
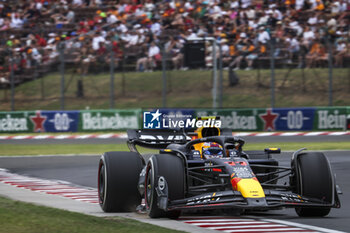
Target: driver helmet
213, 150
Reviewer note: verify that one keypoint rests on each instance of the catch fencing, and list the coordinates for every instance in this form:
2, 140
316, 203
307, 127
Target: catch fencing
83, 73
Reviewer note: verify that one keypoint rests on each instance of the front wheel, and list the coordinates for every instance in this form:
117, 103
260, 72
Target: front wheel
315, 181
170, 168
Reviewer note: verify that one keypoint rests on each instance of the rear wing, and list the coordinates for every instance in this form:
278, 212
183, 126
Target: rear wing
223, 132
156, 138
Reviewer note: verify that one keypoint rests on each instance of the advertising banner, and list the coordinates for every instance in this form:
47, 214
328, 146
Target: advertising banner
39, 121
277, 119
259, 119
348, 118
294, 119
236, 119
108, 120
331, 118
11, 122
56, 121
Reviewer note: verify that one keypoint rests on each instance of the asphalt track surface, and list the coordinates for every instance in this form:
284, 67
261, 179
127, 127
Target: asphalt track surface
249, 139
82, 170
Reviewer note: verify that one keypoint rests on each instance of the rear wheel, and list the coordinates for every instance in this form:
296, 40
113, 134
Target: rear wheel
315, 181
171, 168
118, 176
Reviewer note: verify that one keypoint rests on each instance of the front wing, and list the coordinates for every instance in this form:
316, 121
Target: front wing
233, 199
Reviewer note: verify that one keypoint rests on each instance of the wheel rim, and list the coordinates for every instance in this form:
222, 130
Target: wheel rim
101, 184
148, 187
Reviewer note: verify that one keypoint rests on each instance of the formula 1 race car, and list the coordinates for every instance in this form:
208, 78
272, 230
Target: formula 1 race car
208, 169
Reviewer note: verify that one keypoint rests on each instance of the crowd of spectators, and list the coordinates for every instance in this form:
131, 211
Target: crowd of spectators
303, 32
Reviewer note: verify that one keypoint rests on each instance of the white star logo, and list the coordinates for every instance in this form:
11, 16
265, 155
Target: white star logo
156, 115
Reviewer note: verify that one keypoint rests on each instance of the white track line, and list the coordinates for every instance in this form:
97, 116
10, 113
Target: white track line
290, 134
320, 229
103, 136
41, 137
62, 137
242, 134
59, 188
239, 222
214, 220
314, 134
338, 133
85, 136
275, 226
90, 195
268, 230
264, 134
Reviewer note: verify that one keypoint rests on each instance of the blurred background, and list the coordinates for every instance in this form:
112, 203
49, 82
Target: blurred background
100, 54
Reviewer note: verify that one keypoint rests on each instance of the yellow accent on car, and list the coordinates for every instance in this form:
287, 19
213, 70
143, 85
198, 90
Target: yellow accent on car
167, 150
199, 131
250, 188
273, 150
208, 117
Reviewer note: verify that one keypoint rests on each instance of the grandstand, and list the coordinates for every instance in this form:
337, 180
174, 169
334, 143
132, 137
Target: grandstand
304, 34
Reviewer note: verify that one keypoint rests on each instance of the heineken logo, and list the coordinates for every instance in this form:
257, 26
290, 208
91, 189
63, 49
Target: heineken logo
269, 119
234, 121
108, 122
329, 120
12, 123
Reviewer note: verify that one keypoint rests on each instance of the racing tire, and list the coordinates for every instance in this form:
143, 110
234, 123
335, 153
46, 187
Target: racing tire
118, 177
172, 169
315, 181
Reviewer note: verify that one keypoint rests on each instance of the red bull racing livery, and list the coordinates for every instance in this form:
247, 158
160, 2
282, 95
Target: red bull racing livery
208, 169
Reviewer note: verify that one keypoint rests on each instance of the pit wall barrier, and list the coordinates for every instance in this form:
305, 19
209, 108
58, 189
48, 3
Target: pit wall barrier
252, 119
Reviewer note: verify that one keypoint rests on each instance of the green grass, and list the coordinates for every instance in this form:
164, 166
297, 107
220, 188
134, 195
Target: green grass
17, 217
185, 89
98, 149
53, 149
